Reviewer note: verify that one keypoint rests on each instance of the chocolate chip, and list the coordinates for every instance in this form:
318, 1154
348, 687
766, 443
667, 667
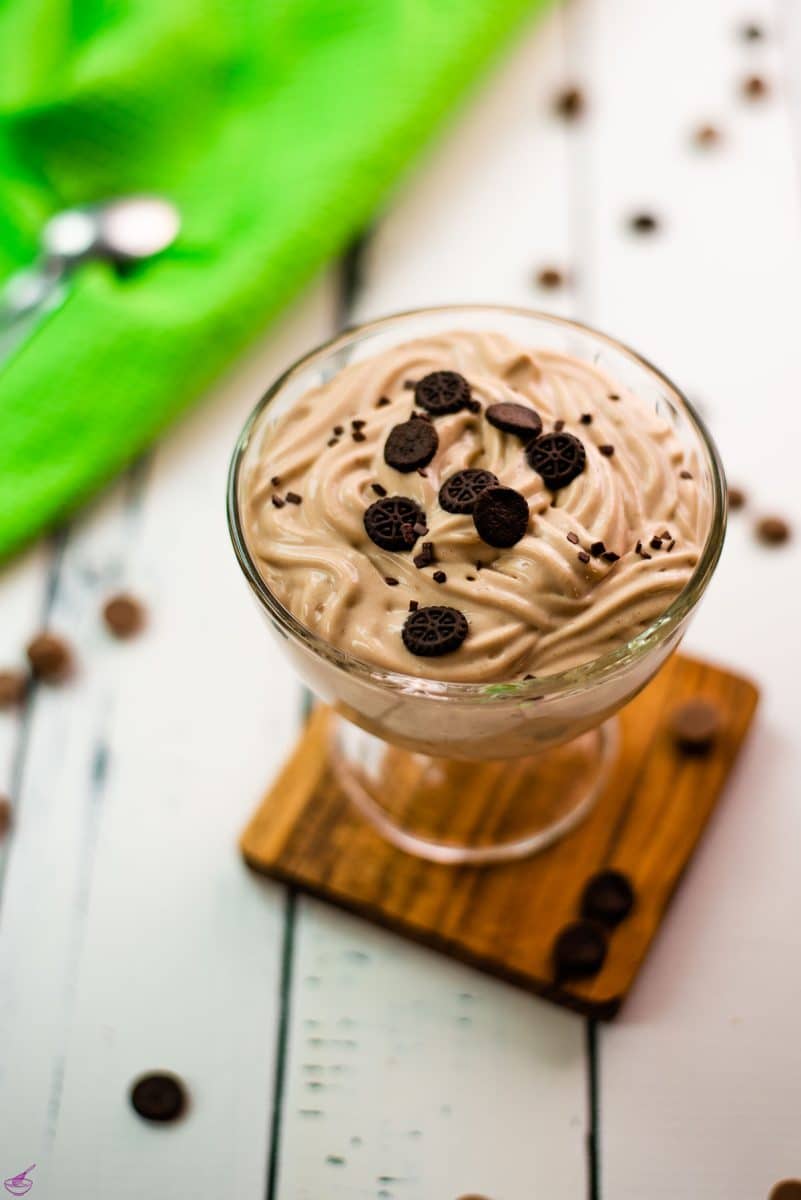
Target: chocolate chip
610, 556
411, 445
643, 554
737, 498
339, 430
558, 458
440, 577
124, 615
391, 581
597, 549
278, 502
390, 521
569, 103
558, 426
608, 898
434, 630
586, 418
357, 423
358, 436
470, 578
706, 136
293, 498
158, 1097
685, 474
579, 950
550, 278
573, 537
460, 491
670, 547
425, 557
583, 556
614, 396
50, 657
276, 481
643, 223
773, 531
13, 688
501, 516
442, 392
786, 1189
523, 422
695, 726
655, 543
379, 489
5, 815
330, 442
755, 87
606, 450
382, 402
414, 605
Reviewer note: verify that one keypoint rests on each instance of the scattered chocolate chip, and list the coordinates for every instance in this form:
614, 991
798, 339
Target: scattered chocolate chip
597, 549
332, 442
579, 950
685, 474
523, 422
646, 555
5, 815
13, 688
573, 537
638, 548
583, 556
664, 535
278, 502
501, 516
50, 657
558, 458
608, 898
124, 615
558, 426
695, 725
470, 578
786, 1189
655, 543
158, 1097
736, 498
754, 87
379, 489
382, 401
434, 630
773, 531
276, 481
389, 522
440, 577
411, 445
569, 103
643, 223
614, 396
357, 423
606, 450
391, 581
358, 436
550, 278
460, 491
442, 392
610, 556
414, 605
293, 498
338, 430
670, 547
586, 418
425, 557
706, 136
527, 677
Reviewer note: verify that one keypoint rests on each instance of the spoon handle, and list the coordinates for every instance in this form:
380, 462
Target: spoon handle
27, 296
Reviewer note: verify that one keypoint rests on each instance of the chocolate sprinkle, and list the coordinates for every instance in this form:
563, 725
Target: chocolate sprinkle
608, 898
338, 430
379, 489
606, 450
610, 556
442, 392
357, 423
389, 522
523, 422
558, 458
293, 498
278, 502
440, 577
382, 402
358, 436
276, 481
434, 630
597, 549
655, 543
501, 516
411, 445
461, 490
332, 442
579, 951
583, 556
391, 581
158, 1097
670, 547
573, 537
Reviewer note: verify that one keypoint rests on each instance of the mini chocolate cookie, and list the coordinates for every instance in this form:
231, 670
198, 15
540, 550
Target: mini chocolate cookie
558, 458
460, 491
579, 950
434, 630
411, 445
158, 1097
501, 516
515, 418
390, 522
442, 392
608, 898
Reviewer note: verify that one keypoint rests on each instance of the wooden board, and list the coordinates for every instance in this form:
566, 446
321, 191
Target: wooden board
505, 919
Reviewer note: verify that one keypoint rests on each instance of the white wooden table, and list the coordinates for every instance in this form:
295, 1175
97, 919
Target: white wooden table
328, 1060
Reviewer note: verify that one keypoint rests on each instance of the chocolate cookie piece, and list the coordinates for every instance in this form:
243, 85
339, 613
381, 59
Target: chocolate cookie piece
124, 615
13, 688
390, 522
158, 1097
50, 657
460, 491
501, 516
558, 458
608, 898
411, 445
695, 726
442, 392
434, 630
515, 418
579, 950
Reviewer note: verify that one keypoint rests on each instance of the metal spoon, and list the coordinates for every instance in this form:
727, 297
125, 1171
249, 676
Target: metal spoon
126, 229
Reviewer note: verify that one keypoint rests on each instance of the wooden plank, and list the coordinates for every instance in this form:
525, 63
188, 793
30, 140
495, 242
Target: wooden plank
699, 1082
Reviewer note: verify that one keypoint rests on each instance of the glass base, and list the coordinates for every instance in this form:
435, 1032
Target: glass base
472, 813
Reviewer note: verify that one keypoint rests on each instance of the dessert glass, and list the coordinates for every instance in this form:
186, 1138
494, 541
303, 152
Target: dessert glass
407, 749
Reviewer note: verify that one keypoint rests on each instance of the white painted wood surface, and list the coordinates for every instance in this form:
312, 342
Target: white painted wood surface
326, 1059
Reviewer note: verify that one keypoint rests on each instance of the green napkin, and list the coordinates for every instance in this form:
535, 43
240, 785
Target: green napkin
276, 126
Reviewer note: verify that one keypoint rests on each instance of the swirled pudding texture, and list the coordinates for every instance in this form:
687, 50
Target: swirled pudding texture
559, 597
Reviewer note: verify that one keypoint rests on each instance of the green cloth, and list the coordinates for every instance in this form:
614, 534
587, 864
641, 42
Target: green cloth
277, 127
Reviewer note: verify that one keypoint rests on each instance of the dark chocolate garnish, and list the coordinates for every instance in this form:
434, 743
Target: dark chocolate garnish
425, 557
515, 418
558, 458
411, 445
434, 630
442, 392
390, 521
460, 491
501, 516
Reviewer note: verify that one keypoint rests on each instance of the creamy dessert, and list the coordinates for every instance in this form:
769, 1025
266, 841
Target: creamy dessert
467, 509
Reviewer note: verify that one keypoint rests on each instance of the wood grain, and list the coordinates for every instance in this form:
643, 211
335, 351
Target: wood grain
505, 919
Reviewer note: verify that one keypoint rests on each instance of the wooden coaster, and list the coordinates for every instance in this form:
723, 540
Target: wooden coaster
504, 919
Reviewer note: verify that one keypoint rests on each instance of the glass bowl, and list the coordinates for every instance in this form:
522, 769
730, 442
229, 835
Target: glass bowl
398, 749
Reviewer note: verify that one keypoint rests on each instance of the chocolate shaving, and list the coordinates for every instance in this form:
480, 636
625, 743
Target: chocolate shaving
293, 498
